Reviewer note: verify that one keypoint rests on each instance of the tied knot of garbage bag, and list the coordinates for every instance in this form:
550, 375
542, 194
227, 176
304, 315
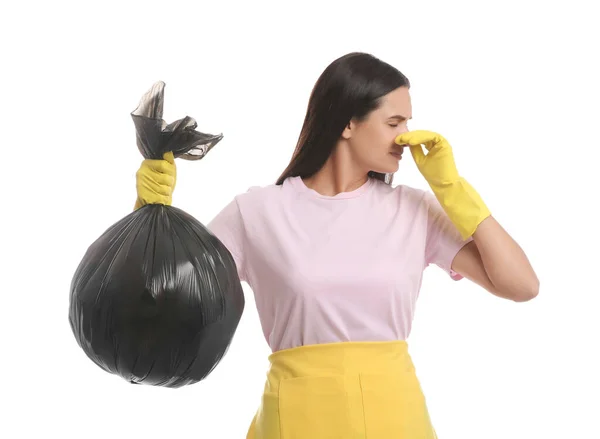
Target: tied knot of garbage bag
155, 137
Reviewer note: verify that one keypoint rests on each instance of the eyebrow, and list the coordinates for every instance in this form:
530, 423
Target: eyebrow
398, 116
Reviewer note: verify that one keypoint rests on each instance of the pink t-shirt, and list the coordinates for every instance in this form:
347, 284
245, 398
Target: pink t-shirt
327, 269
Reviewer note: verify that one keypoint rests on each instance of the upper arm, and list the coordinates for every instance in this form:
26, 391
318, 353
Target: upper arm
446, 248
228, 227
468, 263
443, 240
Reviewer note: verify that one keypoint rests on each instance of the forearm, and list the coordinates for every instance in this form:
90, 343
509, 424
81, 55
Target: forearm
507, 266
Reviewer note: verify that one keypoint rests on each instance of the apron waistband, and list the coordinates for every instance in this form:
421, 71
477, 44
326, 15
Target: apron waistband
341, 358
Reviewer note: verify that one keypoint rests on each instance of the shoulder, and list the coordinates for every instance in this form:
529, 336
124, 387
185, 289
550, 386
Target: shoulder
256, 201
258, 194
403, 194
243, 210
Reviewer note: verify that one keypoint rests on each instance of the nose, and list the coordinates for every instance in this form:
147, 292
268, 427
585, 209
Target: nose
400, 132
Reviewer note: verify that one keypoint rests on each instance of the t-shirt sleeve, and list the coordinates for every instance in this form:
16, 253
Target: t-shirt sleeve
443, 238
228, 227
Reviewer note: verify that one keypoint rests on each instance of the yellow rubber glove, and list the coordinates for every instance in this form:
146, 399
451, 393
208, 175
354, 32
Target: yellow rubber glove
155, 181
460, 201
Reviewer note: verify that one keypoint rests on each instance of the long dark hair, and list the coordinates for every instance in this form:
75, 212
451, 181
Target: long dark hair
349, 88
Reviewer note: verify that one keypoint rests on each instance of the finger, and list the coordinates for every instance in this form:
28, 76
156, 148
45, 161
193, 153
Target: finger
417, 153
402, 140
416, 137
164, 180
147, 187
169, 157
151, 186
162, 166
429, 139
152, 178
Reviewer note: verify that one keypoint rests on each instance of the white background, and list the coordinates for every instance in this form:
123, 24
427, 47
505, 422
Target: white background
512, 85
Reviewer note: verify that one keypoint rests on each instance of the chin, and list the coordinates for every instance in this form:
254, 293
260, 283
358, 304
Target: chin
386, 170
389, 166
389, 169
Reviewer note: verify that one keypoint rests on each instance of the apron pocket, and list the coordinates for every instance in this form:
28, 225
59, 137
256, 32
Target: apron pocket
394, 406
314, 408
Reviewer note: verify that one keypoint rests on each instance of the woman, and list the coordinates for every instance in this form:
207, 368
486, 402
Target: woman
335, 255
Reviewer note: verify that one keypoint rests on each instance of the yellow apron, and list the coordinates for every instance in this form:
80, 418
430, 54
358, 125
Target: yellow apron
350, 390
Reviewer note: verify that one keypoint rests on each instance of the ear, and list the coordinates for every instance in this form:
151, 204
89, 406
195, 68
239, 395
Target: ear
347, 133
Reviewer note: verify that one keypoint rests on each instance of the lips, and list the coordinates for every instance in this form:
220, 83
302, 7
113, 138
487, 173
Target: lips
398, 154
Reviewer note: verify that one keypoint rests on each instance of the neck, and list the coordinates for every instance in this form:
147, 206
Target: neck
340, 173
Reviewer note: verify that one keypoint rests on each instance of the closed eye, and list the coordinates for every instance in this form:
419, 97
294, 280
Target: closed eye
399, 118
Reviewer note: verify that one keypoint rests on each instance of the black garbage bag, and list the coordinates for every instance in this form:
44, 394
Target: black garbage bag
156, 299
